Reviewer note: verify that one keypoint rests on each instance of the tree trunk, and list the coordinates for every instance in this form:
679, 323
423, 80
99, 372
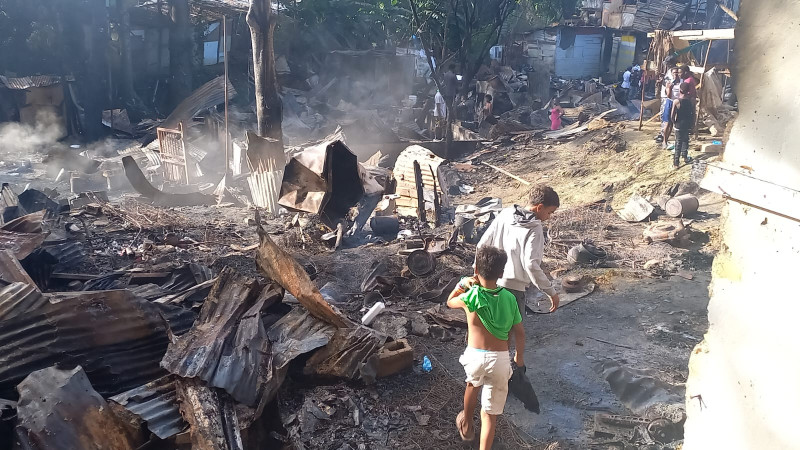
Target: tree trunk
268, 103
96, 80
180, 52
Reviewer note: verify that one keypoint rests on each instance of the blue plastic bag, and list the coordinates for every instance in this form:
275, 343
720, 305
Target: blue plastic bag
426, 364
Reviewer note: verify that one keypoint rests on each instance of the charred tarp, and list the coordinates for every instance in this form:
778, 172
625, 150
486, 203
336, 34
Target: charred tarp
228, 347
59, 409
117, 337
323, 179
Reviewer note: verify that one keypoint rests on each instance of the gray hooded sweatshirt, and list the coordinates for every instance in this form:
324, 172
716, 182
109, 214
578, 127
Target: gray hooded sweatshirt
517, 232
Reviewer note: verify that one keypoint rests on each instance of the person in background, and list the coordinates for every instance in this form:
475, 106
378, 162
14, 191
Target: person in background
450, 84
439, 115
683, 115
556, 111
487, 112
670, 90
688, 78
626, 82
492, 314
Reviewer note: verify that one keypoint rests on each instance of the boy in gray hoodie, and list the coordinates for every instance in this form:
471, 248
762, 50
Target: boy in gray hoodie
518, 232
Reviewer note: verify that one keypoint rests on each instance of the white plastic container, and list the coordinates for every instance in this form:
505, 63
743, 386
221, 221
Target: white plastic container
373, 313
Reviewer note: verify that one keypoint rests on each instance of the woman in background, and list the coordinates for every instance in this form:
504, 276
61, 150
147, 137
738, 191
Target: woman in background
555, 115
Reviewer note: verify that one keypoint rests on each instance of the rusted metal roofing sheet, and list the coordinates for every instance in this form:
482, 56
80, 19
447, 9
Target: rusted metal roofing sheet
117, 337
59, 409
156, 403
19, 298
21, 244
227, 348
657, 15
36, 81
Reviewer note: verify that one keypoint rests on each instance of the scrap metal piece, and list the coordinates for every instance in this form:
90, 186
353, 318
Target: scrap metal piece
156, 403
280, 267
160, 198
59, 409
323, 179
227, 347
117, 337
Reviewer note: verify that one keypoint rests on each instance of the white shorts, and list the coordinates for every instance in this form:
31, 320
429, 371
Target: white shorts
492, 370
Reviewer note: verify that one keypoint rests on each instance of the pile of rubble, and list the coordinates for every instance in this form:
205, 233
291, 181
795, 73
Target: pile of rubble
156, 352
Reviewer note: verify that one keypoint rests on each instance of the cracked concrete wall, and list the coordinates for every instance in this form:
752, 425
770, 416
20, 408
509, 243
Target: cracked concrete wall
744, 378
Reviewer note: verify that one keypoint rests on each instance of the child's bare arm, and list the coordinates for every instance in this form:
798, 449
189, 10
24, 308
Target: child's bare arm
456, 302
462, 287
519, 342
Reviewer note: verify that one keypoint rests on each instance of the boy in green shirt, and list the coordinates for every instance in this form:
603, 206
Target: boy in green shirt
492, 312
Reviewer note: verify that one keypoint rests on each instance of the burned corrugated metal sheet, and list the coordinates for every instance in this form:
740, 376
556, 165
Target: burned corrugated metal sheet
20, 244
279, 266
294, 334
187, 276
107, 282
227, 347
148, 291
36, 81
117, 337
58, 409
658, 14
19, 298
29, 223
323, 179
156, 403
267, 162
206, 96
69, 254
351, 353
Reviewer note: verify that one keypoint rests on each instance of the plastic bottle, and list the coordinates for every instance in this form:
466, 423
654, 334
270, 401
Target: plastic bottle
373, 312
426, 364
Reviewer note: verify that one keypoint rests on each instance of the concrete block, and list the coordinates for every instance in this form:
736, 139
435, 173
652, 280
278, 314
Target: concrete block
394, 357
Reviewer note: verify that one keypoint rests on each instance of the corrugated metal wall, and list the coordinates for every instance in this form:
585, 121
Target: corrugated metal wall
582, 59
540, 50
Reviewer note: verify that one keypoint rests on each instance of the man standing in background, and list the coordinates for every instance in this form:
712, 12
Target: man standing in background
450, 84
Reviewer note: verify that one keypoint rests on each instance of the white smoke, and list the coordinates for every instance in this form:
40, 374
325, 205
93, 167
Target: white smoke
21, 139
